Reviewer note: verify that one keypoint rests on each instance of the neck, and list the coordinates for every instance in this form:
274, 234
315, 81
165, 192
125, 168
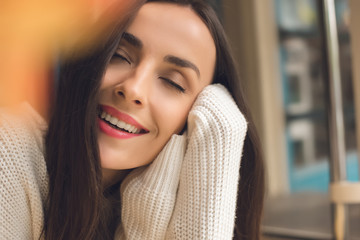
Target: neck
111, 177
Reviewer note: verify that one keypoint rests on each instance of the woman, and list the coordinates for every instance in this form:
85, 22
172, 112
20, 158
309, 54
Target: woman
125, 106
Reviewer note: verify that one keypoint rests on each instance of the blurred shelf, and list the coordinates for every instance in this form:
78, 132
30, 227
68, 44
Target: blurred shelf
304, 215
284, 33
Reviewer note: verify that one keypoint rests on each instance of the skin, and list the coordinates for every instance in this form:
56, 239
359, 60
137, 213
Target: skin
146, 80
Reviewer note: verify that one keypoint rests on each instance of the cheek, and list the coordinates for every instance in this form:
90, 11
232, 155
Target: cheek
172, 114
171, 110
126, 155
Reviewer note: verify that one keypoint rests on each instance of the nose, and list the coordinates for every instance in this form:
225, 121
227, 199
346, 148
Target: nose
126, 96
134, 89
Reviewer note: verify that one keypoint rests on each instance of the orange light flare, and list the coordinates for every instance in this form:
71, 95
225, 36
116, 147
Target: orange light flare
33, 32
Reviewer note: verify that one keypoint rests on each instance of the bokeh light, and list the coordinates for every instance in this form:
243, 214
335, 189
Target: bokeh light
33, 32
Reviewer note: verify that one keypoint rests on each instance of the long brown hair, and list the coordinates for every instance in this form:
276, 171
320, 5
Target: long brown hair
77, 206
251, 183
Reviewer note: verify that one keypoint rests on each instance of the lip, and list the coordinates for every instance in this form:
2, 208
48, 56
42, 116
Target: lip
104, 127
122, 116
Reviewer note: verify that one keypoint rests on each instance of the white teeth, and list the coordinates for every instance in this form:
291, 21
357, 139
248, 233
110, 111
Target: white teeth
119, 123
131, 129
127, 127
114, 120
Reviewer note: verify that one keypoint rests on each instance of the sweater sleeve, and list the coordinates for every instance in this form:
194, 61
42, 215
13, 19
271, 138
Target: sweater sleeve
206, 200
23, 179
191, 196
148, 194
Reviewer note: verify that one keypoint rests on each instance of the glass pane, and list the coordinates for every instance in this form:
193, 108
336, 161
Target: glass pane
302, 70
305, 210
343, 16
343, 21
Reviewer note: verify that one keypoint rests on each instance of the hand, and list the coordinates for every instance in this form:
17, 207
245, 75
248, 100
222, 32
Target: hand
207, 195
202, 206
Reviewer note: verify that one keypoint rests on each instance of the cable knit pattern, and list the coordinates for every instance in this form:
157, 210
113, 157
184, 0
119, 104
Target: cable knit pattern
23, 179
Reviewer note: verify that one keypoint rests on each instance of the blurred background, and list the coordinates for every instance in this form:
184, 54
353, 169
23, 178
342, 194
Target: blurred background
281, 51
33, 34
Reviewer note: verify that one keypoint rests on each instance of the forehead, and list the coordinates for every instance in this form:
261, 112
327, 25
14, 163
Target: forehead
167, 28
171, 21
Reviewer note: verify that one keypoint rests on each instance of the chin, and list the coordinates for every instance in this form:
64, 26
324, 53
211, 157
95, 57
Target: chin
118, 165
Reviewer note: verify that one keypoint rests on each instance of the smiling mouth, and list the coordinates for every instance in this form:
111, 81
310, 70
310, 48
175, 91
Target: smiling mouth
119, 124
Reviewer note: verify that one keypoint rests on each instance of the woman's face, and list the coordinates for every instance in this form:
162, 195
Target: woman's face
165, 58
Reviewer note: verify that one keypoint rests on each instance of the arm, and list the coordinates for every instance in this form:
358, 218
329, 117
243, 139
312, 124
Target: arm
148, 194
23, 180
206, 197
206, 200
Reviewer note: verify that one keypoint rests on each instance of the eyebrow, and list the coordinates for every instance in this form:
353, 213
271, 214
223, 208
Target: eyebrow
136, 42
182, 63
131, 39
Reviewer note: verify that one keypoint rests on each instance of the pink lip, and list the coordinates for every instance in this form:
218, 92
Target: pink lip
104, 127
122, 116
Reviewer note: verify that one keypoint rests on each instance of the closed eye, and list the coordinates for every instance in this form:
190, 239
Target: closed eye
120, 57
172, 84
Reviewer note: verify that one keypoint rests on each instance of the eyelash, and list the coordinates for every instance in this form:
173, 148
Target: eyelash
117, 55
176, 86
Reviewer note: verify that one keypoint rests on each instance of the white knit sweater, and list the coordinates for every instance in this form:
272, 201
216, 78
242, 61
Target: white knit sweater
23, 178
188, 192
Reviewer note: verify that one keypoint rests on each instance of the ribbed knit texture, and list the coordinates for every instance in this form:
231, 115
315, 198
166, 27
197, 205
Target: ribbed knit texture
188, 192
148, 194
205, 202
23, 179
